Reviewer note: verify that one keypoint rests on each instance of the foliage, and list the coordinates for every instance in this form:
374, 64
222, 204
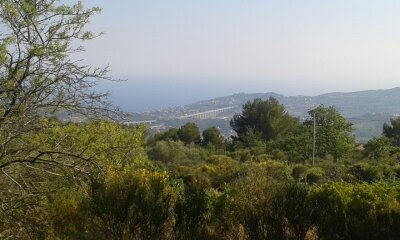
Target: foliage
297, 146
41, 78
269, 210
189, 133
212, 138
98, 145
392, 130
315, 175
99, 179
132, 204
378, 148
177, 154
346, 211
169, 135
168, 151
264, 120
333, 132
188, 192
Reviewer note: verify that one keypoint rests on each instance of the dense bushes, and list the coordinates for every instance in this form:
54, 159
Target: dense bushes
188, 191
132, 204
104, 180
191, 192
361, 211
177, 186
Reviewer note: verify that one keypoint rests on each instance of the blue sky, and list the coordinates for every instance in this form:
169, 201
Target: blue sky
217, 47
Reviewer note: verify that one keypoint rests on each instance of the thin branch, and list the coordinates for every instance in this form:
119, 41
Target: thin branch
12, 179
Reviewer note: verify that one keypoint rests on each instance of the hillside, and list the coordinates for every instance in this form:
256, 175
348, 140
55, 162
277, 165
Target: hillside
368, 110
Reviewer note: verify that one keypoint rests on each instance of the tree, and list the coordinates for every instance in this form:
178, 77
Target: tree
268, 120
189, 133
392, 130
168, 151
334, 132
41, 76
212, 136
169, 135
379, 147
297, 146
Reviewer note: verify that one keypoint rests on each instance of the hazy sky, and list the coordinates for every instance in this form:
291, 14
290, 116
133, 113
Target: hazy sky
291, 47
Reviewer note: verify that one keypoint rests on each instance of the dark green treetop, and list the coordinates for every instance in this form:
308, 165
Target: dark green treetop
213, 136
268, 120
189, 133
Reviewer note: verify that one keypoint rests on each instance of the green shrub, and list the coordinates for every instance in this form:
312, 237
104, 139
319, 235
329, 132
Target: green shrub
378, 148
299, 172
315, 175
132, 204
268, 210
365, 173
362, 211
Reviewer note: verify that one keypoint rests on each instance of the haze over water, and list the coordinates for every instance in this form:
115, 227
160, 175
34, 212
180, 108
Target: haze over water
177, 52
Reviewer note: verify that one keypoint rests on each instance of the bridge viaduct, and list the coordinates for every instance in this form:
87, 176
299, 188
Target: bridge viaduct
206, 115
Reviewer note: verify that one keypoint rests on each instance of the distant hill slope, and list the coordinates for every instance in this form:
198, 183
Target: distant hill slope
368, 110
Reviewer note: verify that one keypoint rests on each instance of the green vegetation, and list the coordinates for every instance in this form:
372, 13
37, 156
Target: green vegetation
99, 179
367, 110
392, 131
262, 121
334, 132
133, 187
189, 133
